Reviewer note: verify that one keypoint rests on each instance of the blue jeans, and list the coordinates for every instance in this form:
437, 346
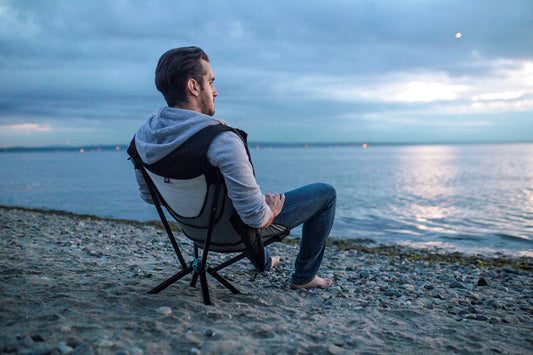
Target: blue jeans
314, 206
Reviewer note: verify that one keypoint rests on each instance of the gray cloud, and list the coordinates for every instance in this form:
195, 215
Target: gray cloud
95, 61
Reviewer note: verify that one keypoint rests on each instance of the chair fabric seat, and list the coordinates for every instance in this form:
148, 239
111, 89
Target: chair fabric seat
207, 216
188, 203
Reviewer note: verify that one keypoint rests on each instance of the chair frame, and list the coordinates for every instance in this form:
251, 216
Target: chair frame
198, 266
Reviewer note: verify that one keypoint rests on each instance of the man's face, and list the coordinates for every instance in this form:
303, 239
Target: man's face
208, 91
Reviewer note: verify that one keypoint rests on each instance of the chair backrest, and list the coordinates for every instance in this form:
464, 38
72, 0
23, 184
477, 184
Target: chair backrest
189, 202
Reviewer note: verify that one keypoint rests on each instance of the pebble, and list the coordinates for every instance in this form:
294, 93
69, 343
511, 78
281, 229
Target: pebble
408, 287
510, 270
103, 343
64, 348
482, 282
164, 311
335, 289
209, 333
456, 284
392, 293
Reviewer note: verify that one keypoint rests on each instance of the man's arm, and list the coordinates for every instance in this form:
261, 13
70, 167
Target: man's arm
227, 152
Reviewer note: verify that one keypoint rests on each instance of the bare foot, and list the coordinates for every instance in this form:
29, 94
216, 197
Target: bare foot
314, 283
275, 261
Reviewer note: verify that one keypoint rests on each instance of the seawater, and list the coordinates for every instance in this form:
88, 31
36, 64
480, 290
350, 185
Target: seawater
469, 198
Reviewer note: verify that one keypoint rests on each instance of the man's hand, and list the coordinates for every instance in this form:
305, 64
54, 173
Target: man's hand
275, 202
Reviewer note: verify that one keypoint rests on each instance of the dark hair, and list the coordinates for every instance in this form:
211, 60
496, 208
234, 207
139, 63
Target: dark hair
175, 68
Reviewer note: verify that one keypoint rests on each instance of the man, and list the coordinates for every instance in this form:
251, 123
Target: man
185, 78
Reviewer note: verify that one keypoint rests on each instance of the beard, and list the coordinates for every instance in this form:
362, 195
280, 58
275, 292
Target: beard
207, 106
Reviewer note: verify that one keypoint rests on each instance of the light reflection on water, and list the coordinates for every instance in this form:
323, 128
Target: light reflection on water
427, 178
476, 198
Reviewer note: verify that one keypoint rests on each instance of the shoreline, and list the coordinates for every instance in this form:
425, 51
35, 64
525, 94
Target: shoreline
369, 246
78, 284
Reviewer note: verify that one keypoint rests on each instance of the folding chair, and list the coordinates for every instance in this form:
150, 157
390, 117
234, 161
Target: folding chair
212, 226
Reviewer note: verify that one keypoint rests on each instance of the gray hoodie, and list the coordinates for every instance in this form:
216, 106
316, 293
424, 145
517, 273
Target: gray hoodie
165, 131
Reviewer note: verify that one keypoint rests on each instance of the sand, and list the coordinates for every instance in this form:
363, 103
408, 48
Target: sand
78, 285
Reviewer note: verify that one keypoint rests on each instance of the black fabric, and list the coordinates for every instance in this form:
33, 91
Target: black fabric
189, 161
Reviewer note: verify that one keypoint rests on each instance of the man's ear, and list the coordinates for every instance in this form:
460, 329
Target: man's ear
192, 87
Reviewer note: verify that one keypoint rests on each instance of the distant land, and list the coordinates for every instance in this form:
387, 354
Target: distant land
253, 145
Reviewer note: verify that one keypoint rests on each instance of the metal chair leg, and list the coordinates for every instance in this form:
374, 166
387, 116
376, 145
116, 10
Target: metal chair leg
223, 281
170, 281
205, 289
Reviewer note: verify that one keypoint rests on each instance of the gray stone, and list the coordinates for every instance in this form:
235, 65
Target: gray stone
392, 293
63, 348
482, 282
457, 284
209, 333
510, 270
164, 311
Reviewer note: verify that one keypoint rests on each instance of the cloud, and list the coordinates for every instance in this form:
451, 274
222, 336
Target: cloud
308, 69
25, 127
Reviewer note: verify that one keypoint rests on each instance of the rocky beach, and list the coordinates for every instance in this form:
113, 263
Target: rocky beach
73, 284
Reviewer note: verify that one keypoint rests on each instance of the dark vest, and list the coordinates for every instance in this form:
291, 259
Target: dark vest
190, 159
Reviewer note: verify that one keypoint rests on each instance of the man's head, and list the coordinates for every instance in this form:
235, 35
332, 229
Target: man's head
184, 77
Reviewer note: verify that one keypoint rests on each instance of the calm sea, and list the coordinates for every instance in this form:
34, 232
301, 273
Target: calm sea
470, 198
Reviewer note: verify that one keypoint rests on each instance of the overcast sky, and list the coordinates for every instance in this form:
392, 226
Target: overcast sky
82, 72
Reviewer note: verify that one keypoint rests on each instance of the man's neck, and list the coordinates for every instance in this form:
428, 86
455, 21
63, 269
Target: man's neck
187, 106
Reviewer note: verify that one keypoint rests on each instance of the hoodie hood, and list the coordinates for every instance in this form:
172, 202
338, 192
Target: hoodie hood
167, 130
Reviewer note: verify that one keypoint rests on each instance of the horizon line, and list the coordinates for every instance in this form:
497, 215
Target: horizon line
256, 145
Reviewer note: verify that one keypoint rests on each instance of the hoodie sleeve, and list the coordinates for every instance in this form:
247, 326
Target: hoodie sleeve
143, 188
227, 152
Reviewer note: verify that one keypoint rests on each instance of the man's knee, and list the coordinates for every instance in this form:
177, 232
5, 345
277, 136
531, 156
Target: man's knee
328, 190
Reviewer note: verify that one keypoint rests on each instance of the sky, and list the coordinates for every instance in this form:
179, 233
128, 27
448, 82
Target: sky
412, 71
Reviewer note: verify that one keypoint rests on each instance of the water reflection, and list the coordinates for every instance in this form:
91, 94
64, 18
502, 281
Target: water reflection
427, 181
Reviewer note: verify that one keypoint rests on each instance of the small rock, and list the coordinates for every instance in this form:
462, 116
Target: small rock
390, 293
74, 342
456, 284
64, 348
510, 270
493, 303
473, 296
209, 333
408, 287
103, 343
65, 328
164, 311
194, 351
339, 341
364, 274
37, 338
136, 351
482, 282
26, 341
335, 289
453, 301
